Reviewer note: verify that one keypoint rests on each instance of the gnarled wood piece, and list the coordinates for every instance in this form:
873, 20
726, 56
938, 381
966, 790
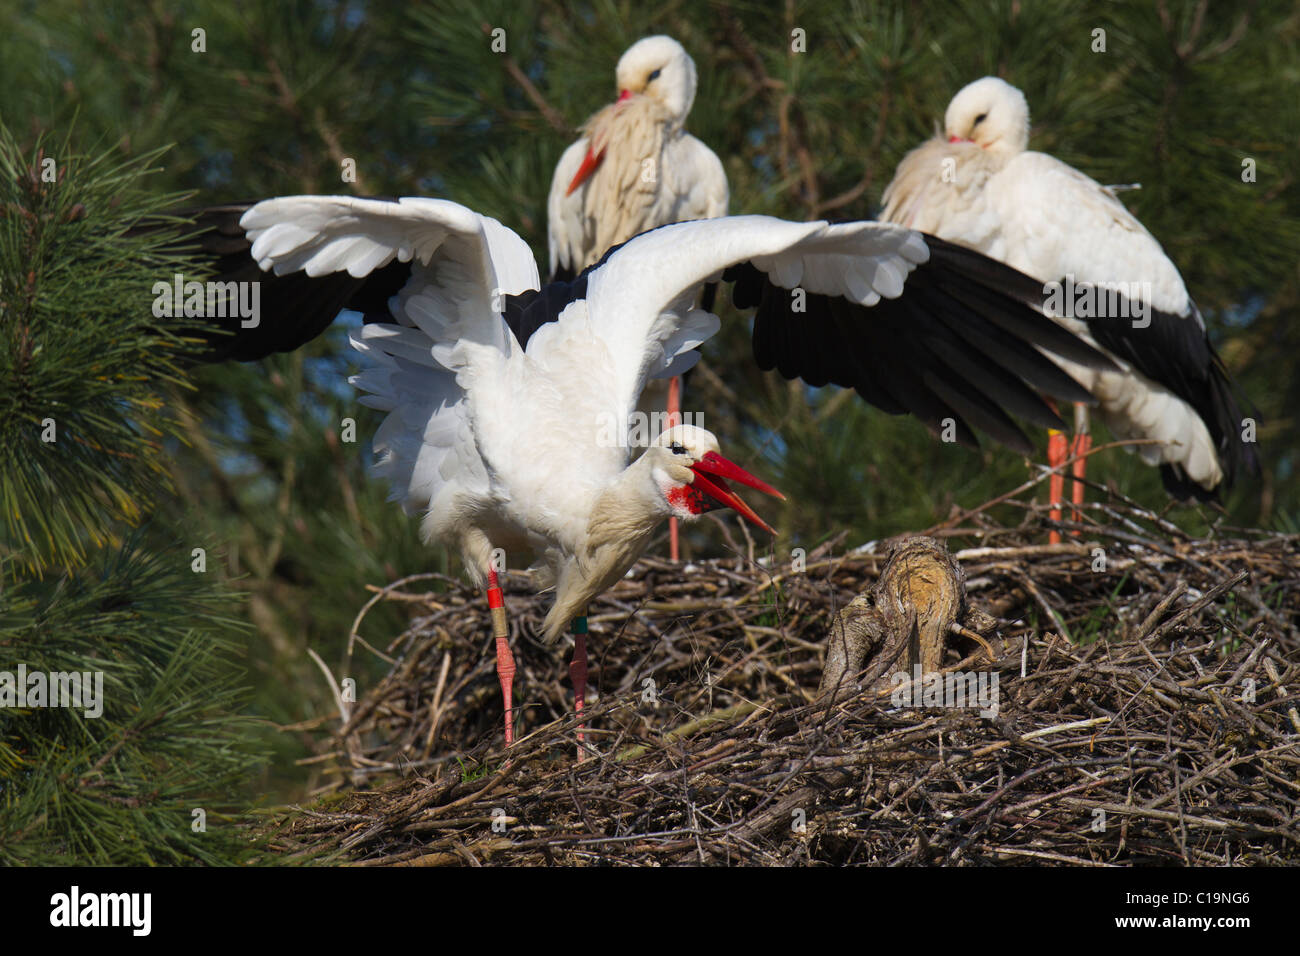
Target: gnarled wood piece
904, 619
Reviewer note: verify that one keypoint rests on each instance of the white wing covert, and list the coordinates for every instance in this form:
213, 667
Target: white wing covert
645, 315
448, 314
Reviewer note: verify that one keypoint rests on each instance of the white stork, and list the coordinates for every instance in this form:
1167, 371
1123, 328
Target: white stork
635, 168
978, 185
507, 403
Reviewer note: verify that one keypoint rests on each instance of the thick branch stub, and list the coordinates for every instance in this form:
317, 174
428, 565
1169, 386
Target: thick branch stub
903, 620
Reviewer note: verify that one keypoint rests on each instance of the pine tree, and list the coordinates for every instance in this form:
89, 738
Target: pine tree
115, 773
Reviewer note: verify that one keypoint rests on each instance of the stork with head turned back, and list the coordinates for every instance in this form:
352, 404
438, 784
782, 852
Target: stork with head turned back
501, 396
978, 185
635, 168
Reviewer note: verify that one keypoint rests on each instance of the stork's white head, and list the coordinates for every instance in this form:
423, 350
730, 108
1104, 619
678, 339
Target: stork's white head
658, 67
691, 475
990, 113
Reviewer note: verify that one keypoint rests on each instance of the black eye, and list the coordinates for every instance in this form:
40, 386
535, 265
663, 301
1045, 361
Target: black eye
981, 118
652, 77
677, 448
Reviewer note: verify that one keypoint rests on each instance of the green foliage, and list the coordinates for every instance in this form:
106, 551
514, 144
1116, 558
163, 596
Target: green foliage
119, 787
85, 425
79, 409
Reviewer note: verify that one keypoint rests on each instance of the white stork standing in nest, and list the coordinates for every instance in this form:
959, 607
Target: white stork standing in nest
635, 168
508, 405
978, 185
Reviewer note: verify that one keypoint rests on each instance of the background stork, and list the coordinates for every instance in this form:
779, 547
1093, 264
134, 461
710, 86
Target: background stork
979, 186
635, 168
500, 407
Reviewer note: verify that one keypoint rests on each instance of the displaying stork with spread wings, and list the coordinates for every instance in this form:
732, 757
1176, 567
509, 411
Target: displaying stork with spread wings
508, 404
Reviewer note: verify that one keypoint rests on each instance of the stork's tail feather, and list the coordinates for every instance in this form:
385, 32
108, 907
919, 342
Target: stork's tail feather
1228, 425
425, 409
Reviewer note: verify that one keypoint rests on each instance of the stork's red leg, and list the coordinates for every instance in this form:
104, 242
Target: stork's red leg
674, 418
578, 674
505, 660
674, 401
1057, 448
1082, 444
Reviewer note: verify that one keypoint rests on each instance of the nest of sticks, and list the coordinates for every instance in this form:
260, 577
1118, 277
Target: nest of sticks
1147, 695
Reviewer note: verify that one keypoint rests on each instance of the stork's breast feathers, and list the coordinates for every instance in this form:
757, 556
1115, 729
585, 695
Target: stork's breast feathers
938, 188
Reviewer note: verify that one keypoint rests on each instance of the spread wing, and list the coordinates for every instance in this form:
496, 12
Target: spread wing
461, 268
916, 325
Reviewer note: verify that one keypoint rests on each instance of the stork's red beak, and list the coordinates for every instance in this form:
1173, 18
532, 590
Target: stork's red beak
959, 139
591, 160
713, 466
589, 164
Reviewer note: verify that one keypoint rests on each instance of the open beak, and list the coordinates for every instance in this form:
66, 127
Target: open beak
713, 466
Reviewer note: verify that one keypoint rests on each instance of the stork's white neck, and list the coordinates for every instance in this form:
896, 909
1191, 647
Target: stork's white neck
622, 523
632, 506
